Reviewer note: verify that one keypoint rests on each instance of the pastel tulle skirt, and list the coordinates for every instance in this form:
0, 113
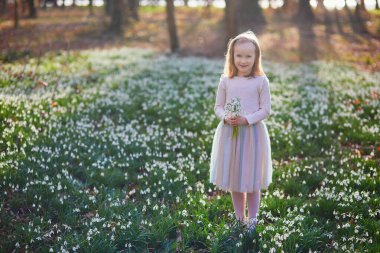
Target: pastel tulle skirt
242, 163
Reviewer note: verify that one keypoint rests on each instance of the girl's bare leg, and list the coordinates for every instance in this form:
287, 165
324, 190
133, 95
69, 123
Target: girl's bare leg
253, 199
238, 200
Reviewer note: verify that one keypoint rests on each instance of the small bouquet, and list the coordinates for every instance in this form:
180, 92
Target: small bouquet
231, 110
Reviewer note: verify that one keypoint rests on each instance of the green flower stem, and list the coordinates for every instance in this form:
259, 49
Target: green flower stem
235, 131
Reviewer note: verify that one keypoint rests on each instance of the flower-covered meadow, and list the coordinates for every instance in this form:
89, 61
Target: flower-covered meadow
108, 151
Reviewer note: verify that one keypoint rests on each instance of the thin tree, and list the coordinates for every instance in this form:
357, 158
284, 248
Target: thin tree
288, 5
32, 9
270, 4
108, 6
230, 19
362, 15
3, 6
117, 17
16, 14
287, 9
320, 4
170, 17
360, 6
133, 9
90, 6
305, 13
23, 6
377, 5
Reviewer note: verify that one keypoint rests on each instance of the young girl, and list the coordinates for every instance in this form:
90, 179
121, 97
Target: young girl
243, 164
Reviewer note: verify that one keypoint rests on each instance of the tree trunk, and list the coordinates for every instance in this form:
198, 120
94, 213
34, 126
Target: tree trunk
249, 14
230, 19
108, 6
270, 4
133, 9
288, 6
377, 5
305, 13
22, 5
117, 16
90, 6
3, 6
208, 8
16, 14
360, 6
186, 2
174, 43
362, 15
63, 4
320, 4
32, 9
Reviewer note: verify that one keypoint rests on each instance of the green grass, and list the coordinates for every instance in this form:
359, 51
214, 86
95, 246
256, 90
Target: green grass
113, 156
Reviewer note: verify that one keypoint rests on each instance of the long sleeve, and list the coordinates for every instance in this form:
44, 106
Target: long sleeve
220, 98
264, 104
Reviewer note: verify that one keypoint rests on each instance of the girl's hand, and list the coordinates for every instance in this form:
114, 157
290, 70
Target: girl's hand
236, 121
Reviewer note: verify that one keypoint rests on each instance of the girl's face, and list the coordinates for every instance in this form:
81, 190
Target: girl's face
244, 57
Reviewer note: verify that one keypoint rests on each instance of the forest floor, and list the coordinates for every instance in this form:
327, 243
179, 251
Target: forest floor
335, 35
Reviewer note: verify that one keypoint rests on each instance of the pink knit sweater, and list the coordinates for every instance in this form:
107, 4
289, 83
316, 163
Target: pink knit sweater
254, 94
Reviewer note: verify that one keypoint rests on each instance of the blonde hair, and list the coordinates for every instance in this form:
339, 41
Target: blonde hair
230, 69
